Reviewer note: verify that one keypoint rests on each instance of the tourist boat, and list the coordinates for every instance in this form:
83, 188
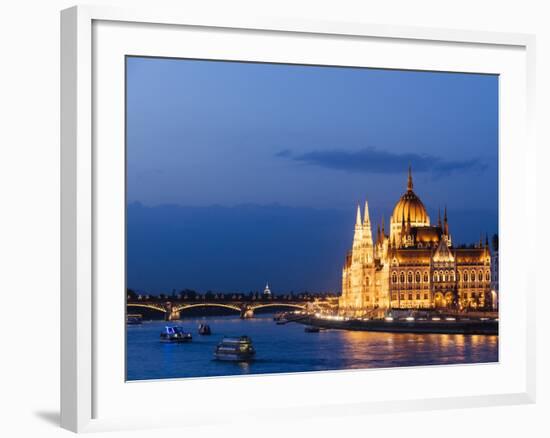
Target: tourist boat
235, 349
204, 329
175, 334
133, 319
311, 329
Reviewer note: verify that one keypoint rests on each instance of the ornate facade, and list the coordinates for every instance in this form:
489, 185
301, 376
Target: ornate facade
415, 266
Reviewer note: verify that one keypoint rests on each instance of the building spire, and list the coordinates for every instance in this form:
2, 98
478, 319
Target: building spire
366, 229
358, 234
367, 219
439, 217
383, 229
358, 219
410, 180
446, 224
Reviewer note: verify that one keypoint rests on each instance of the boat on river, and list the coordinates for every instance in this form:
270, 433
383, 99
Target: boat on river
175, 334
133, 319
204, 329
312, 329
235, 349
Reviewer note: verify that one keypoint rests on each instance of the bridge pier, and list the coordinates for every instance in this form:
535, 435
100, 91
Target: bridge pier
247, 312
171, 314
174, 315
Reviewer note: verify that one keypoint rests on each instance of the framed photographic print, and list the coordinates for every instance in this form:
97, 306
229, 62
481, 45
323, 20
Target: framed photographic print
254, 208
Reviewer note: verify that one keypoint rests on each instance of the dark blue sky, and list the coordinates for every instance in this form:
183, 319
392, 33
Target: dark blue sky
300, 143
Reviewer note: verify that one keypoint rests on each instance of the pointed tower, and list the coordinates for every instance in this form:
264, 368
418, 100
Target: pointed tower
367, 232
366, 220
445, 229
410, 181
367, 243
358, 235
439, 217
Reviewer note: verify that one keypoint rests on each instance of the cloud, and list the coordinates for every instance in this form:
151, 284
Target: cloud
372, 160
284, 153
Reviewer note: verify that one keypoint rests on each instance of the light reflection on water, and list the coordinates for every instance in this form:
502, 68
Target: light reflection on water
287, 348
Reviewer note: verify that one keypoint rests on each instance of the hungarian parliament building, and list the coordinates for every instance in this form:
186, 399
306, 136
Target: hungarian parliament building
416, 266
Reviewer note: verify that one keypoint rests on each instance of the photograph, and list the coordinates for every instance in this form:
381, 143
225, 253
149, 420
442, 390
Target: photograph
289, 218
233, 219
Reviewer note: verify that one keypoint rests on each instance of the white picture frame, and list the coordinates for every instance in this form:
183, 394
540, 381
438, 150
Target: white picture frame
92, 392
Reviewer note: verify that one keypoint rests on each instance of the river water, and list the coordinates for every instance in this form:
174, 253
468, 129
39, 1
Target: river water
287, 348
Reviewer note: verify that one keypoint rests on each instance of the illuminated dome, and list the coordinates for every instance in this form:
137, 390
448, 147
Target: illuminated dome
410, 207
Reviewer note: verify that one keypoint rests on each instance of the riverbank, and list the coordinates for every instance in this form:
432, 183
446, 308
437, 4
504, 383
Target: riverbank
448, 325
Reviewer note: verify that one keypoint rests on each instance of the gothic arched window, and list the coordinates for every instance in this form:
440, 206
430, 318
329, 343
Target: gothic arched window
394, 277
410, 277
488, 276
480, 276
417, 277
402, 277
425, 277
465, 275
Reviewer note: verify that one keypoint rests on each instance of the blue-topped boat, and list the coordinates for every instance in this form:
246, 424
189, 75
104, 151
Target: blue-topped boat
175, 334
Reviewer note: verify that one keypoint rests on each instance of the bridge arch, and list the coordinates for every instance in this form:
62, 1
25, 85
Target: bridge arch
147, 306
180, 307
262, 306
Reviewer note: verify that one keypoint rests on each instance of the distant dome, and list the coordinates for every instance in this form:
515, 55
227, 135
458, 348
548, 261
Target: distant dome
410, 206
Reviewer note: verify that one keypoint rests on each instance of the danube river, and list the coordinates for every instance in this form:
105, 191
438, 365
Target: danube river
287, 348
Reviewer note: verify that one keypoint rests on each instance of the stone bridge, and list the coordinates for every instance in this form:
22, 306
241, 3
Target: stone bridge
172, 309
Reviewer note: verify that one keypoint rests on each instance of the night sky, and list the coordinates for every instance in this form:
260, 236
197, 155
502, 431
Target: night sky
242, 173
